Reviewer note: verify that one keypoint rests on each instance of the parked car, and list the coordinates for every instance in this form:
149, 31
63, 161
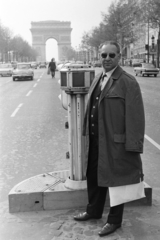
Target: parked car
146, 69
6, 69
23, 71
97, 64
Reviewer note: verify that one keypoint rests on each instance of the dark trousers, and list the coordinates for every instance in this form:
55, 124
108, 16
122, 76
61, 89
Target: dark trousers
96, 194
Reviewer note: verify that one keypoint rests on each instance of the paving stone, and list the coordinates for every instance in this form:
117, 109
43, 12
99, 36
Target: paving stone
92, 238
57, 233
88, 233
79, 237
55, 226
69, 235
67, 228
78, 230
72, 224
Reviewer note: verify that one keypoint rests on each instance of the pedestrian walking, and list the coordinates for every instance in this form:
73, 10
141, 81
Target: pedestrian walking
114, 131
52, 67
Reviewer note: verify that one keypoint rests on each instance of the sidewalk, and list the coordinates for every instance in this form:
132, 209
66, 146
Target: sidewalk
139, 223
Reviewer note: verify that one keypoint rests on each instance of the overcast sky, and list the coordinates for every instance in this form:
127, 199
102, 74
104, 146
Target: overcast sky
83, 15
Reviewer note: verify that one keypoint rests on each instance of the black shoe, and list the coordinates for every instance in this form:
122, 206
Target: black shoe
85, 216
108, 229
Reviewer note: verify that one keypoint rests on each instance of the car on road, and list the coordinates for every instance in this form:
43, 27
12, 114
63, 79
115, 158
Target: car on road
23, 71
42, 65
14, 64
146, 69
59, 66
6, 69
137, 62
34, 65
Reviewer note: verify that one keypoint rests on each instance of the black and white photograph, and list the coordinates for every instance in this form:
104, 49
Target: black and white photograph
79, 119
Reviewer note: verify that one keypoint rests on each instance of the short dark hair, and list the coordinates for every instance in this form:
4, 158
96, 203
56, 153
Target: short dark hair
111, 43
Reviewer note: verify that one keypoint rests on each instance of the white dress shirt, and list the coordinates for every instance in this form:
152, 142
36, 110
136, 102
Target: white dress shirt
105, 77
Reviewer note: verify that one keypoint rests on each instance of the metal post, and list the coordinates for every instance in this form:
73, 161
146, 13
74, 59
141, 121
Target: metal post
79, 137
148, 42
73, 127
158, 48
76, 81
153, 58
152, 48
70, 135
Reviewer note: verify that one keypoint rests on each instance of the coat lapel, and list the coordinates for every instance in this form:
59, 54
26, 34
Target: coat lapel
93, 87
107, 87
94, 83
115, 76
86, 118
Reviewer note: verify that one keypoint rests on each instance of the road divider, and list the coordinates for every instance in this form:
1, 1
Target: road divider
16, 110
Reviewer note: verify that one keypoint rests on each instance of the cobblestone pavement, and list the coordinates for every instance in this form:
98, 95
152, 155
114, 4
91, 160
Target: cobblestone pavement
139, 223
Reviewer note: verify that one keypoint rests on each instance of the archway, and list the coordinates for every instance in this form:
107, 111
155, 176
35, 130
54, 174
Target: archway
51, 49
43, 30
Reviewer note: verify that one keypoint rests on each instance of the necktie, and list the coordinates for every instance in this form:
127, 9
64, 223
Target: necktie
104, 81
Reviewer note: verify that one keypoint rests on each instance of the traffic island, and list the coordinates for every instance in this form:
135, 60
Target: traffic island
51, 191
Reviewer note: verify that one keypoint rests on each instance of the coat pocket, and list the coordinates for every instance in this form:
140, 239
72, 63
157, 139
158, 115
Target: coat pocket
119, 138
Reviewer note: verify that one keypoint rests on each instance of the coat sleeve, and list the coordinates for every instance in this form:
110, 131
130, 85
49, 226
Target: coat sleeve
134, 118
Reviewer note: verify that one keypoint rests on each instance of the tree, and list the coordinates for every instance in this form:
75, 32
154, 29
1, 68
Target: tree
68, 53
5, 37
94, 38
19, 47
120, 22
150, 10
150, 14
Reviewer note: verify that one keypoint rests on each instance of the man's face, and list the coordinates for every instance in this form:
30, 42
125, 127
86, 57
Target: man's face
109, 57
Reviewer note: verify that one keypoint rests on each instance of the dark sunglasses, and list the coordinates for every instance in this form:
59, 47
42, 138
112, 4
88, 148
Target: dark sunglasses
111, 55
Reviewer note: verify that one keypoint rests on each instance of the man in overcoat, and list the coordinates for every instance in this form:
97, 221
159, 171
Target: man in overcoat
114, 130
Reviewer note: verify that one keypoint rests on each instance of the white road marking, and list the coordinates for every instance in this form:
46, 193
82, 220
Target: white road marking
35, 85
16, 110
152, 141
20, 105
28, 93
38, 80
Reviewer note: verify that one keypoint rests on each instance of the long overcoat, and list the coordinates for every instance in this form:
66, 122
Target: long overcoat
121, 125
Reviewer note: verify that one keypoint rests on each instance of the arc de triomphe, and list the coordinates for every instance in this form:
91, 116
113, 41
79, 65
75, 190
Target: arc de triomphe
43, 30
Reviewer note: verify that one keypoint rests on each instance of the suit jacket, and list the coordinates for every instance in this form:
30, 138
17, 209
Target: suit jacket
121, 125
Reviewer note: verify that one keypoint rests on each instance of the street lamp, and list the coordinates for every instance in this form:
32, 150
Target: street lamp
148, 42
158, 48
